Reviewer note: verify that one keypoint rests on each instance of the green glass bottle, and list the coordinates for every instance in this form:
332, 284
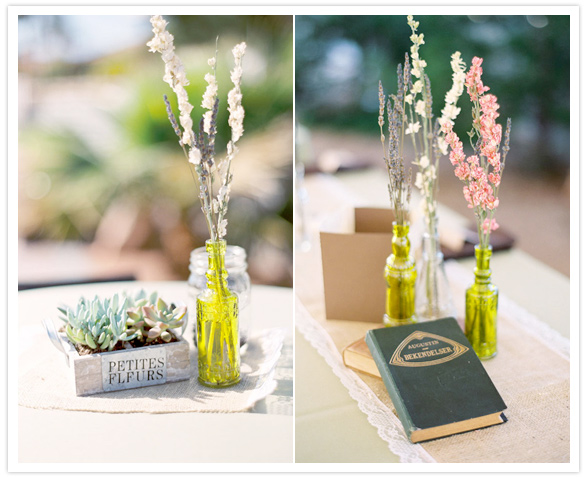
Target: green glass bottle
217, 324
481, 307
400, 275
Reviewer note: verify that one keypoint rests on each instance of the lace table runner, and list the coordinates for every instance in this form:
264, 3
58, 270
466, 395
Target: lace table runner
531, 372
45, 383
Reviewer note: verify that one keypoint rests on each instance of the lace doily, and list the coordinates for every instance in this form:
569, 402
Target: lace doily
387, 424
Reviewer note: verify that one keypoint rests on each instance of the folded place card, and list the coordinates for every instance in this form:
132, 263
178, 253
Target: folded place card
352, 264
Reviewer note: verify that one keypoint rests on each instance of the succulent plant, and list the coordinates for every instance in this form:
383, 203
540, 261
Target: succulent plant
98, 324
151, 318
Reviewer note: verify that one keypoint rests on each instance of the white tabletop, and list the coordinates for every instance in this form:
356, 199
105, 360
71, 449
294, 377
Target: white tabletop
265, 434
323, 405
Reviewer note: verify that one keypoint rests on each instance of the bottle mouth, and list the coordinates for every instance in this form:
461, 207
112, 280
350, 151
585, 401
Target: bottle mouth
235, 259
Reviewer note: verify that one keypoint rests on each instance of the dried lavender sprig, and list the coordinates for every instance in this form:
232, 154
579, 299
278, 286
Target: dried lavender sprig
428, 97
171, 117
435, 144
212, 133
407, 83
381, 121
506, 144
400, 79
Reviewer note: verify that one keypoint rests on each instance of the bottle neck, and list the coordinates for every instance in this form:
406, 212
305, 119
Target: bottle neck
216, 273
431, 241
482, 270
400, 243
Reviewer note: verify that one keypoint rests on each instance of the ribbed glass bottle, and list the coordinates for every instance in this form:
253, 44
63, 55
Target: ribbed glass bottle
217, 324
481, 307
400, 275
235, 263
433, 295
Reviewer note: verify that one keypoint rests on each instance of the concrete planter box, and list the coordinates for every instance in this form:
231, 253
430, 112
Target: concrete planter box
127, 369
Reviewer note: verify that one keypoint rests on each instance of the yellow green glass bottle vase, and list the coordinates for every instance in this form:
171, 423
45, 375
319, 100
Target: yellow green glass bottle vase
481, 307
217, 324
400, 275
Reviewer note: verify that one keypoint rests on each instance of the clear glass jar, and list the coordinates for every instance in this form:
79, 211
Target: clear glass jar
235, 262
433, 295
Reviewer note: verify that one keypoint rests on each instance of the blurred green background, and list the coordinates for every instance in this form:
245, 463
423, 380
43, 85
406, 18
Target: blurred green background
340, 59
104, 189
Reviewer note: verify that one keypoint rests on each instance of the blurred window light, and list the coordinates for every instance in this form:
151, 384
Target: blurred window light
537, 21
343, 61
490, 33
79, 38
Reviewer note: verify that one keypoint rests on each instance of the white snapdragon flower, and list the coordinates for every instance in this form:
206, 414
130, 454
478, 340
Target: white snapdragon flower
209, 97
223, 192
450, 110
419, 64
175, 76
414, 25
222, 228
451, 96
409, 98
442, 145
239, 50
186, 138
413, 128
421, 108
158, 23
417, 39
207, 121
424, 162
235, 109
195, 156
417, 87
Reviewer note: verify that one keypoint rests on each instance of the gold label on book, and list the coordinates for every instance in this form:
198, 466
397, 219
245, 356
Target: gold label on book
426, 349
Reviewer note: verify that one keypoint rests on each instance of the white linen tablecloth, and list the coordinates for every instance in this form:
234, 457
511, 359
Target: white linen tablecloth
264, 434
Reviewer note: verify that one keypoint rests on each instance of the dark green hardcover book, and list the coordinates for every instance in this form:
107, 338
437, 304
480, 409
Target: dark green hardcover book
436, 381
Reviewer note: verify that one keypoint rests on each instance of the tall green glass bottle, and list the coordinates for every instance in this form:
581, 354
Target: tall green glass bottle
481, 307
217, 324
400, 275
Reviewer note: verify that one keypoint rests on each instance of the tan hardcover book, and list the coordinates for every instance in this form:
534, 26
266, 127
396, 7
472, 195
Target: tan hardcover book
358, 357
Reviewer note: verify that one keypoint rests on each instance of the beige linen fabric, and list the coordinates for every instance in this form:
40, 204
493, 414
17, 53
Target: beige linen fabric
45, 383
531, 376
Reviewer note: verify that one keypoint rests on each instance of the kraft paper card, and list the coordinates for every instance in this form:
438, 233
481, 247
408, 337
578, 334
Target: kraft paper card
353, 264
354, 288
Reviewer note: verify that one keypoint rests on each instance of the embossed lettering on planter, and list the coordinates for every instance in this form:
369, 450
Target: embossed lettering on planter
133, 369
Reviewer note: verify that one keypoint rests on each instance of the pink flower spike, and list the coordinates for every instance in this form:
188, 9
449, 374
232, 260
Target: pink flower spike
492, 203
487, 226
495, 179
462, 171
477, 61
